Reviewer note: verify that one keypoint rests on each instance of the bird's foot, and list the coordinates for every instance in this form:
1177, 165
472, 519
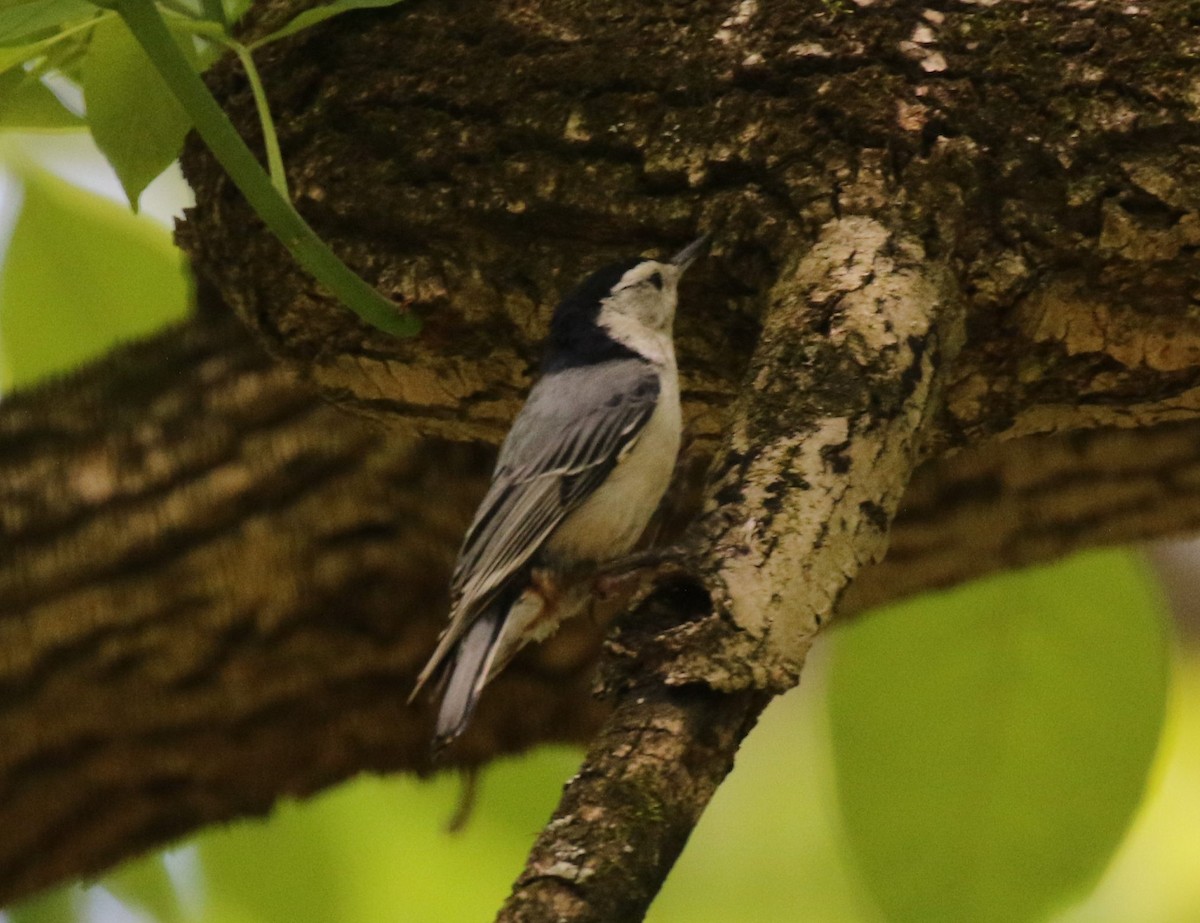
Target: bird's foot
619, 575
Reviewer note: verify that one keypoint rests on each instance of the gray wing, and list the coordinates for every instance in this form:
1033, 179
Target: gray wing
573, 429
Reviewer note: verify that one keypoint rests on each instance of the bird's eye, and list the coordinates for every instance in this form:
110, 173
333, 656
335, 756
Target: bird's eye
655, 279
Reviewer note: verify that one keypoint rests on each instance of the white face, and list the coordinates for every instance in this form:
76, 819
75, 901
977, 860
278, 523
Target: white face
645, 298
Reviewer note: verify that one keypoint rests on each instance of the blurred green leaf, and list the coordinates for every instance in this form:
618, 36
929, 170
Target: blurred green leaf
58, 906
144, 884
277, 873
26, 104
136, 120
376, 851
145, 21
21, 21
993, 743
81, 274
19, 54
316, 14
770, 849
66, 55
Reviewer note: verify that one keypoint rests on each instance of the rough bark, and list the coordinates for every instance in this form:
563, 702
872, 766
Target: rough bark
474, 160
792, 514
215, 587
625, 817
216, 590
92, 717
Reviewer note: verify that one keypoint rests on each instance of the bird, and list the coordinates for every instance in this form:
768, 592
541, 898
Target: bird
579, 476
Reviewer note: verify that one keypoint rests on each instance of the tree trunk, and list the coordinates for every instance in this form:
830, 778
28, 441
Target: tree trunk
962, 240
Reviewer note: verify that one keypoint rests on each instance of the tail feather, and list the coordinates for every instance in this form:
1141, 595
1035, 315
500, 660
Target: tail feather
467, 675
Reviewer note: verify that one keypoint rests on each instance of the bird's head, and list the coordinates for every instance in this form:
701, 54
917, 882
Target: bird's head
626, 307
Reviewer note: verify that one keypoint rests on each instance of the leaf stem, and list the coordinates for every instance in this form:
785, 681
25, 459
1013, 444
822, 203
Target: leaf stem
35, 50
213, 125
270, 138
214, 32
179, 8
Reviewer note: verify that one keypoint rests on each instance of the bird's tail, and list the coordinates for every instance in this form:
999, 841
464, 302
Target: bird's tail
467, 675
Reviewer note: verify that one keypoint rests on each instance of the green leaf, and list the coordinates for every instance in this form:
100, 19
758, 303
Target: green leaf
214, 127
136, 121
236, 9
58, 906
19, 54
214, 12
61, 53
64, 57
20, 22
281, 872
993, 743
740, 863
81, 275
317, 14
357, 852
145, 885
26, 104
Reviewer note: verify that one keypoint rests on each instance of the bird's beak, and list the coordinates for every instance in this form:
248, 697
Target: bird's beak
689, 254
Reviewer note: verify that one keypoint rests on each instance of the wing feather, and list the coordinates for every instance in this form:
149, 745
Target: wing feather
573, 429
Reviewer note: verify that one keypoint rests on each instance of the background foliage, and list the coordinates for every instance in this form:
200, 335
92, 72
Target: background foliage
974, 755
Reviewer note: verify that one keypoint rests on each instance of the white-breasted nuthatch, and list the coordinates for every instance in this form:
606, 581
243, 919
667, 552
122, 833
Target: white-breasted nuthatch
579, 475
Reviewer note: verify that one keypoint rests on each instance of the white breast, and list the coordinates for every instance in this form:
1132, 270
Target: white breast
610, 521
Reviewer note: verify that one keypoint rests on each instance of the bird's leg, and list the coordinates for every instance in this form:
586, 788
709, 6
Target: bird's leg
610, 576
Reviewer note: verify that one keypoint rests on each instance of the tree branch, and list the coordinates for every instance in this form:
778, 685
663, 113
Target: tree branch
625, 817
215, 588
829, 428
271, 634
213, 592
